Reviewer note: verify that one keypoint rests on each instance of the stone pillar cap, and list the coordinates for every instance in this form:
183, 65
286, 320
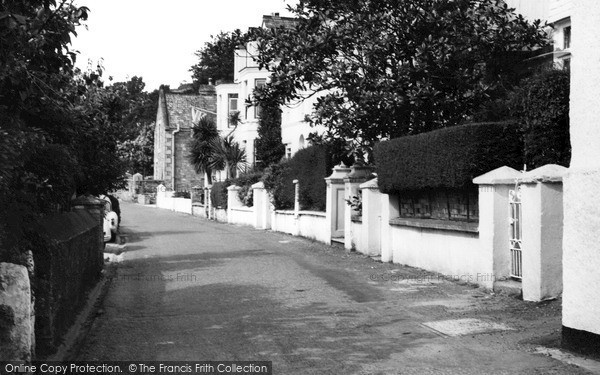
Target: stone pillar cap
545, 173
371, 184
233, 187
258, 185
339, 172
499, 176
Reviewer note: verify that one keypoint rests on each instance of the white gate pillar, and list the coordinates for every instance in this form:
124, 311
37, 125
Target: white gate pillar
359, 173
262, 206
494, 221
335, 205
541, 197
371, 217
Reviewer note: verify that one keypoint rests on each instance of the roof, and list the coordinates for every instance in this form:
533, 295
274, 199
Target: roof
275, 21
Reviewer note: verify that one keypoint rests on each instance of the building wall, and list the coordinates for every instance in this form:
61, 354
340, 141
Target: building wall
531, 9
581, 255
176, 114
160, 141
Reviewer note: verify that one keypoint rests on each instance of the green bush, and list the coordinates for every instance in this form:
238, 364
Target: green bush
218, 194
278, 181
182, 194
245, 182
542, 106
446, 158
309, 166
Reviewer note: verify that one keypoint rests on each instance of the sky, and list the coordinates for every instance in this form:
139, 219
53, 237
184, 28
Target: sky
156, 39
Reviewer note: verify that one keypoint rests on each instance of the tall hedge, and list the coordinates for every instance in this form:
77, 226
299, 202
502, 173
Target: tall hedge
309, 166
542, 106
446, 158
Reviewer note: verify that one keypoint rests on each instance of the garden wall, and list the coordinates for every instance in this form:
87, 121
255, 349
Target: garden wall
165, 200
241, 215
64, 273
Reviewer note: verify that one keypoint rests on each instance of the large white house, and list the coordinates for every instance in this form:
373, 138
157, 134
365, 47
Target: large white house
232, 98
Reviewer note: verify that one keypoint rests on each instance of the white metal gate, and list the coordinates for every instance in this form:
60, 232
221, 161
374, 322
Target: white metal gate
516, 214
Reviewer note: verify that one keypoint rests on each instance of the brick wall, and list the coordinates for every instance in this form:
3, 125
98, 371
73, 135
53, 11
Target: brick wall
461, 205
66, 268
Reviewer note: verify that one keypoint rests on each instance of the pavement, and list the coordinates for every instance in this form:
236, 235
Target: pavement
185, 288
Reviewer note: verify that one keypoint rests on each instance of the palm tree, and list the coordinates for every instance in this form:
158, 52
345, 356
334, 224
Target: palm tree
205, 151
235, 157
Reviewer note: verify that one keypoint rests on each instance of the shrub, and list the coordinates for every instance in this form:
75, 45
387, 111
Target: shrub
278, 182
218, 194
309, 166
446, 158
245, 182
182, 194
542, 106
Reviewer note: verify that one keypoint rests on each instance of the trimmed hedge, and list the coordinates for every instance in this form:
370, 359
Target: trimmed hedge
446, 158
218, 194
310, 166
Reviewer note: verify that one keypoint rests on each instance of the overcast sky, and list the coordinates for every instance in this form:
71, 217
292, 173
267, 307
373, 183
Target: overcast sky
156, 39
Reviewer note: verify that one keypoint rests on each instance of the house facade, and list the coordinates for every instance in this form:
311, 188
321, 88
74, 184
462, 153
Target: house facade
177, 111
231, 98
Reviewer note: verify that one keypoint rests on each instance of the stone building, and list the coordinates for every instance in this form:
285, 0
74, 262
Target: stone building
177, 111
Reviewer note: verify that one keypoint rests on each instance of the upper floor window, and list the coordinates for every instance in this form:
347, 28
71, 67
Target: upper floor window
232, 107
567, 37
259, 82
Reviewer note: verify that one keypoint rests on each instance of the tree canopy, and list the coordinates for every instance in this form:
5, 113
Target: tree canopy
216, 57
388, 68
59, 127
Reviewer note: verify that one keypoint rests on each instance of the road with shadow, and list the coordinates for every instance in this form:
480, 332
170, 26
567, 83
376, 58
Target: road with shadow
192, 289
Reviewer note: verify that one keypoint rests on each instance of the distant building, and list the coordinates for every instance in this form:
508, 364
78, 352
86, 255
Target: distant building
232, 96
557, 13
177, 111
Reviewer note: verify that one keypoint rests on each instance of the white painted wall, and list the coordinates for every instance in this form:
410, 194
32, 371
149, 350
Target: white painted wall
241, 216
283, 221
458, 255
313, 225
581, 241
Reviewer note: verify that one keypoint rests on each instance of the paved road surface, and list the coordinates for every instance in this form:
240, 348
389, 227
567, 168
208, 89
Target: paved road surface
190, 289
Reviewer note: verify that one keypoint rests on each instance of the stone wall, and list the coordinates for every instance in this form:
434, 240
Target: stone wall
66, 268
185, 174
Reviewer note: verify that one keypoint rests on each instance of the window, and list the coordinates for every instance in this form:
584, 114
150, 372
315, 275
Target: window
232, 107
567, 37
259, 82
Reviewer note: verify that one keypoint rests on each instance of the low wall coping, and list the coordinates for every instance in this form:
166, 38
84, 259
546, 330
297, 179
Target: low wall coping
68, 225
285, 212
312, 213
244, 209
449, 225
499, 176
546, 173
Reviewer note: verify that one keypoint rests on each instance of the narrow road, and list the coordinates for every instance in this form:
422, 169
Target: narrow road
191, 289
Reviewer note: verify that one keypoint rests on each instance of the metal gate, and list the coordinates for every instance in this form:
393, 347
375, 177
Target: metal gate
516, 214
